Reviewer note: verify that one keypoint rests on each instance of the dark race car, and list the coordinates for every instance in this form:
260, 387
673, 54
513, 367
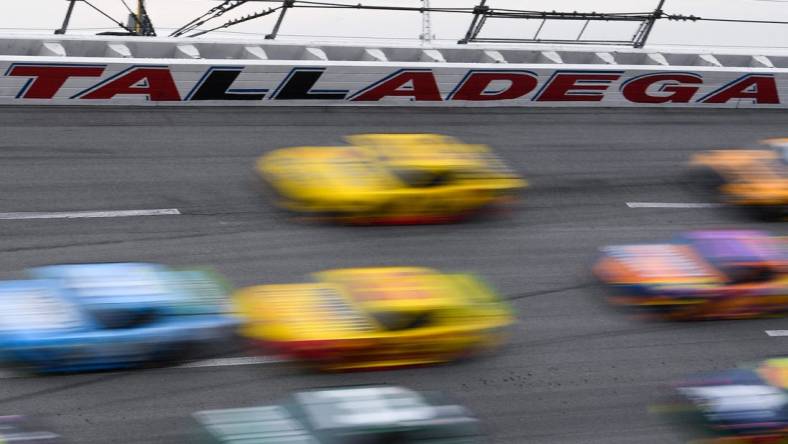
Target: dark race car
346, 415
744, 405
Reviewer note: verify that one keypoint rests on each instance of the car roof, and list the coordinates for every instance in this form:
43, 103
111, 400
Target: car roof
112, 283
725, 247
373, 407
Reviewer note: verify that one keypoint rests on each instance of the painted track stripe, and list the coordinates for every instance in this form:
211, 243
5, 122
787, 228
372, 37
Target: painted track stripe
776, 333
672, 205
229, 362
89, 214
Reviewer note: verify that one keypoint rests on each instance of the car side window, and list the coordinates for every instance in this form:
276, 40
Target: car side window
422, 179
396, 321
749, 274
123, 319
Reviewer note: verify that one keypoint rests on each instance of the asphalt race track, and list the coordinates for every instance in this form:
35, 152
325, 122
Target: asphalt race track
576, 372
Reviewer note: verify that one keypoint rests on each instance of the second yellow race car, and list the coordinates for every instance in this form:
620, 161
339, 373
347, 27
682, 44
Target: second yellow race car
390, 179
367, 318
757, 179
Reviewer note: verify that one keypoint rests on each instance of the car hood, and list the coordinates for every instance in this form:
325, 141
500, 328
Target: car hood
311, 171
659, 264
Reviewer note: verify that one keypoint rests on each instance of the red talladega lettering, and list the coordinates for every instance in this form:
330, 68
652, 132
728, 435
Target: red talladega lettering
577, 87
154, 82
48, 80
474, 86
421, 85
760, 88
675, 85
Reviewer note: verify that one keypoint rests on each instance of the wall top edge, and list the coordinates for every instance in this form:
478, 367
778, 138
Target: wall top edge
203, 63
174, 41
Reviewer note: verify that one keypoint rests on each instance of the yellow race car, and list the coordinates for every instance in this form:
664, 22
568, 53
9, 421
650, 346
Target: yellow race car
365, 318
390, 179
754, 178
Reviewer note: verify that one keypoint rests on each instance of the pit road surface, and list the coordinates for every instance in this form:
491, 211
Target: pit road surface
575, 371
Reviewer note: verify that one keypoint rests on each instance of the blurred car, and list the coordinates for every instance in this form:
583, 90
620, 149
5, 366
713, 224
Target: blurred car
738, 406
17, 428
367, 318
390, 179
346, 415
102, 316
700, 275
754, 178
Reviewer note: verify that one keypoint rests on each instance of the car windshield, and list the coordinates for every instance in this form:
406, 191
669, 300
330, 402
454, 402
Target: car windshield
745, 274
416, 178
123, 319
396, 320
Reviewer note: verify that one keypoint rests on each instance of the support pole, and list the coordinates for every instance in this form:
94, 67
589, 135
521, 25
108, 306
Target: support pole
426, 23
67, 19
582, 31
286, 4
138, 22
539, 31
478, 11
643, 38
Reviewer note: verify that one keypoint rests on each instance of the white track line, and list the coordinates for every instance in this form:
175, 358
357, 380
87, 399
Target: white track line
89, 214
230, 362
672, 205
776, 333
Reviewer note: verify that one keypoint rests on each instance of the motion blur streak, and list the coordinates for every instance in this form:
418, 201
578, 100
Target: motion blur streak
574, 372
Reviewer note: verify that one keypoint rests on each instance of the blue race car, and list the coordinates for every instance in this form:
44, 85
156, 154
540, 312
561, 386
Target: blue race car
104, 316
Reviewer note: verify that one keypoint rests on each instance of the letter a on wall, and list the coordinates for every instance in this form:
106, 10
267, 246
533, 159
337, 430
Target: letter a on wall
153, 82
419, 84
759, 88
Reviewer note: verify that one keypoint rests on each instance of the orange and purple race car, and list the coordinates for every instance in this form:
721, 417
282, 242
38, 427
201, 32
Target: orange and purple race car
700, 275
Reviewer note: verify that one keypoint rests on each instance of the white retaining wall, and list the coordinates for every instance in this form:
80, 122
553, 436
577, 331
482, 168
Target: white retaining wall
69, 70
